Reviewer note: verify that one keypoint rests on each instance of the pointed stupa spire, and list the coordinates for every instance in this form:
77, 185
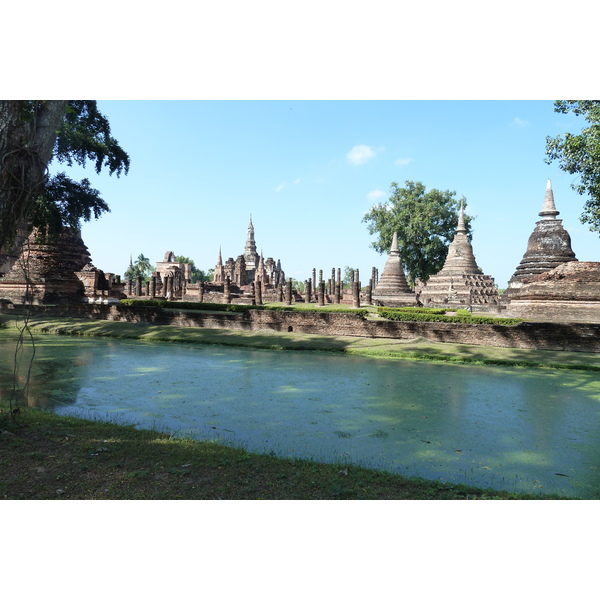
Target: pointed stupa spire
392, 288
548, 246
549, 208
250, 254
461, 228
394, 248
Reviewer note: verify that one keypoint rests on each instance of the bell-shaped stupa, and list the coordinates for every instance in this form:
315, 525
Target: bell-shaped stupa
460, 281
392, 289
548, 247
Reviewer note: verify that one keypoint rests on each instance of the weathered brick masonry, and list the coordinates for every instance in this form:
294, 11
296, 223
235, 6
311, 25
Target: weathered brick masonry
575, 337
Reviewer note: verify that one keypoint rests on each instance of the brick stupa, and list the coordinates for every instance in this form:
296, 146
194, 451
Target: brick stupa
549, 246
460, 281
392, 289
57, 270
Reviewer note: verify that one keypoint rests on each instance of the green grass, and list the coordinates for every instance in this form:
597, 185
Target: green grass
384, 348
48, 456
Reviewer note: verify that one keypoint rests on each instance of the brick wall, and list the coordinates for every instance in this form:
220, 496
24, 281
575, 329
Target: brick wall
577, 337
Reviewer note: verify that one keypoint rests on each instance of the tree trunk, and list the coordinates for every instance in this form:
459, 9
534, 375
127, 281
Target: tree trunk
25, 150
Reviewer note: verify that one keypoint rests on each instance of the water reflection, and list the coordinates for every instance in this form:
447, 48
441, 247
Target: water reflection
498, 427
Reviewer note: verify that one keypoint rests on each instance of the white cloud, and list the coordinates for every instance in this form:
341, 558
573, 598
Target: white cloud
375, 194
516, 122
360, 155
296, 181
403, 161
280, 187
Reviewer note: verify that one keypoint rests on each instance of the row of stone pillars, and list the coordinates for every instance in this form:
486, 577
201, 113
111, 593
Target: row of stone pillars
334, 287
256, 292
149, 288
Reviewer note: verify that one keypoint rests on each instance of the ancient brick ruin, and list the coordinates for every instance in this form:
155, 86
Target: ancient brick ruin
460, 280
549, 283
392, 288
548, 246
249, 267
56, 270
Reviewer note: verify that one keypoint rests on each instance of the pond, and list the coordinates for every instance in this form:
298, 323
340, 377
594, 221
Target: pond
525, 430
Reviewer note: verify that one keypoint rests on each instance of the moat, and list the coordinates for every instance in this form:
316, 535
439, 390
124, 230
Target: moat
525, 430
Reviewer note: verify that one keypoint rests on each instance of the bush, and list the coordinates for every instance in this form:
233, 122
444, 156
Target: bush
234, 307
417, 309
399, 315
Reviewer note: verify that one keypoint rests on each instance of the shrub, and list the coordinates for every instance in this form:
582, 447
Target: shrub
234, 307
399, 315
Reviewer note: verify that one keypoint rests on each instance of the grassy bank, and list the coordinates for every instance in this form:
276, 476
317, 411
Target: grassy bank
416, 349
47, 456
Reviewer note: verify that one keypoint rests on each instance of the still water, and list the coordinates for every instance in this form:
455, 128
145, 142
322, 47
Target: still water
529, 430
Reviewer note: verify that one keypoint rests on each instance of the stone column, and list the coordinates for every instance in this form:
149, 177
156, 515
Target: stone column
288, 292
320, 276
201, 291
280, 292
258, 293
147, 290
227, 291
153, 286
138, 286
314, 280
329, 287
356, 295
332, 281
369, 292
308, 290
129, 287
253, 288
321, 301
338, 292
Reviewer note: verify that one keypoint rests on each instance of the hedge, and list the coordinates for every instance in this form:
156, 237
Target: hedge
399, 315
213, 306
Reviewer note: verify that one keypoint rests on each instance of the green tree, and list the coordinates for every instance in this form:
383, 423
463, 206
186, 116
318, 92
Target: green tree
425, 222
196, 274
32, 134
580, 155
141, 267
348, 275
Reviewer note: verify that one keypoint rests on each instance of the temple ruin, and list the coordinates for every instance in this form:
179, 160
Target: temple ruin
460, 280
548, 247
550, 283
392, 288
55, 270
249, 267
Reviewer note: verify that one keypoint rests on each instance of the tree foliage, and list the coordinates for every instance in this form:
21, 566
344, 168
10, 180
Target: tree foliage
580, 155
196, 274
425, 222
32, 134
142, 267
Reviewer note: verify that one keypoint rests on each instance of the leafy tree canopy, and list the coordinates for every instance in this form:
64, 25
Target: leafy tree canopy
425, 222
580, 155
32, 134
196, 274
141, 267
348, 275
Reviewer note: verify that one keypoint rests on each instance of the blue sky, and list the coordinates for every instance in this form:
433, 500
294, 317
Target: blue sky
308, 171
